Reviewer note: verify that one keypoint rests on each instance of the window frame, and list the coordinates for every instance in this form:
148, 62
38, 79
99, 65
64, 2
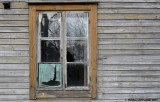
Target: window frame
36, 94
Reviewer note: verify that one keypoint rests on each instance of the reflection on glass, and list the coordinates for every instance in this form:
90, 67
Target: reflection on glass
77, 24
76, 75
50, 75
76, 51
50, 51
50, 24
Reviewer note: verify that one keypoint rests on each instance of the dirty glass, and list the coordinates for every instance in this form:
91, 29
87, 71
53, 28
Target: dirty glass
50, 75
50, 51
76, 50
50, 24
76, 75
77, 24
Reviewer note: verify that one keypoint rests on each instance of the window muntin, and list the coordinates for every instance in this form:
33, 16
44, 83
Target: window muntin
63, 45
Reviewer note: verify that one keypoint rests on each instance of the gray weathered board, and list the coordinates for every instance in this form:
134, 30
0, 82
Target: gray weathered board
128, 50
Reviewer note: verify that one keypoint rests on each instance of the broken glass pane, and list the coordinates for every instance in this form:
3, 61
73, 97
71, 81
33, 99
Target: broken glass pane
50, 75
50, 51
77, 24
76, 51
50, 24
76, 75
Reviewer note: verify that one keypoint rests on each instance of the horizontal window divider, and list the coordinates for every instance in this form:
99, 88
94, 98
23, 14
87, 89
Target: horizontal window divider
49, 62
76, 38
76, 62
78, 88
55, 89
50, 38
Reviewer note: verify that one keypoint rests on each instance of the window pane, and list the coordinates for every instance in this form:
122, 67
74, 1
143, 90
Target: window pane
76, 75
76, 51
77, 24
50, 24
50, 75
50, 51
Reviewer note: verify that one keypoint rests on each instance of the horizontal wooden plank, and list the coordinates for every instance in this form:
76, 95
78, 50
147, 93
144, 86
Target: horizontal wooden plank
128, 73
14, 66
135, 36
128, 23
72, 1
14, 79
17, 73
129, 90
127, 96
128, 16
131, 46
14, 35
129, 5
14, 23
14, 17
128, 41
129, 79
129, 60
7, 59
14, 86
14, 53
129, 11
128, 30
13, 97
13, 12
14, 41
102, 84
14, 91
19, 5
69, 100
14, 29
14, 47
128, 67
128, 52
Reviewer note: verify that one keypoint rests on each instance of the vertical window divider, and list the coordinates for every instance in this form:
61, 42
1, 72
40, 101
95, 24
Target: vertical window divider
63, 39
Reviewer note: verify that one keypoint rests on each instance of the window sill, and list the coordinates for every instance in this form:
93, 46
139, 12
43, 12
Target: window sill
47, 94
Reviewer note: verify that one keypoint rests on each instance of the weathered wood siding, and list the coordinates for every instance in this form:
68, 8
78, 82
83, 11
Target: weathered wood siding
128, 51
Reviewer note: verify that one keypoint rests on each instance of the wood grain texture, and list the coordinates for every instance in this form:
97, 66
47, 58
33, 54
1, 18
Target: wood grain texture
107, 16
14, 35
128, 73
126, 96
14, 12
9, 80
129, 5
141, 46
94, 51
14, 53
14, 29
129, 59
14, 23
129, 79
18, 5
133, 85
129, 23
129, 36
14, 41
14, 17
128, 30
32, 28
128, 67
128, 11
14, 47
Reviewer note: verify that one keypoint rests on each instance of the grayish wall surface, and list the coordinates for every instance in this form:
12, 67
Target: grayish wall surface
128, 51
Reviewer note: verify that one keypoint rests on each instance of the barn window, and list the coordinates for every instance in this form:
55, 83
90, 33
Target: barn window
63, 51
